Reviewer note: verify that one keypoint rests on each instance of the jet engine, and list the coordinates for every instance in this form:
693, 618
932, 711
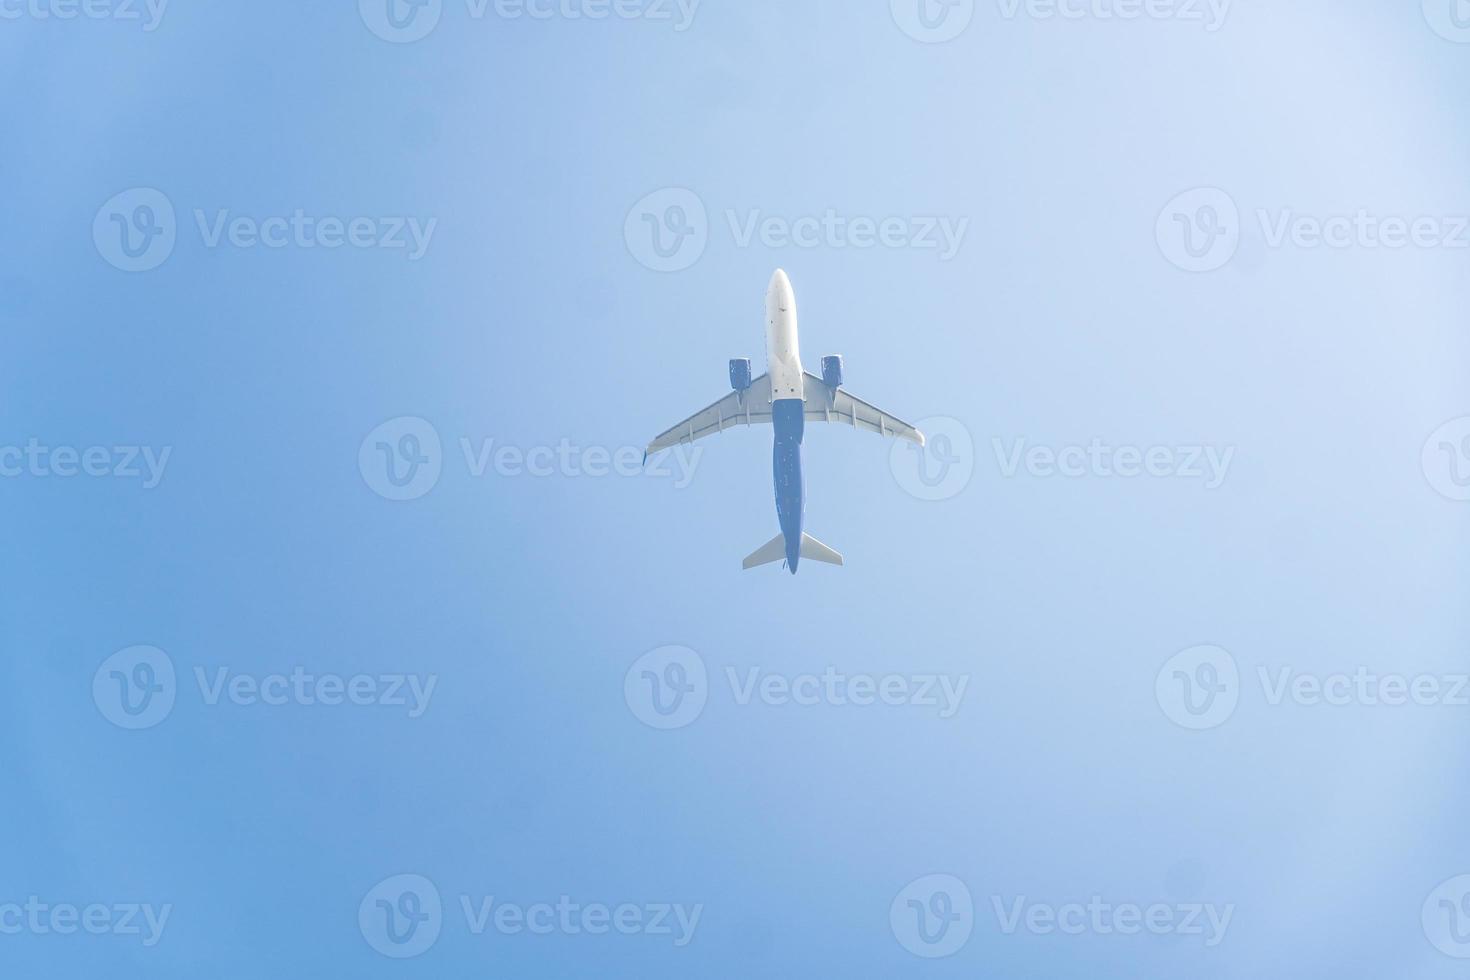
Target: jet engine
832, 370
740, 373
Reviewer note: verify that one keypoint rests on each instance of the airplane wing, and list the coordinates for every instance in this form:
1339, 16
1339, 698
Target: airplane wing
824, 404
749, 407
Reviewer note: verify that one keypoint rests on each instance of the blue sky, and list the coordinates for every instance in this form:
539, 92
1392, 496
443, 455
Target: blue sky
1152, 667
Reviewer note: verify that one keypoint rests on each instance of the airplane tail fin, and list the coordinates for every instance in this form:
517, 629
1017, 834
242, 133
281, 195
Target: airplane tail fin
775, 550
815, 550
772, 550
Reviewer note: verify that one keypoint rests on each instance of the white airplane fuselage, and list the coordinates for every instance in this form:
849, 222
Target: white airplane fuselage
783, 355
788, 413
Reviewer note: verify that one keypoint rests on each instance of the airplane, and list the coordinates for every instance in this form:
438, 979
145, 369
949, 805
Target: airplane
786, 397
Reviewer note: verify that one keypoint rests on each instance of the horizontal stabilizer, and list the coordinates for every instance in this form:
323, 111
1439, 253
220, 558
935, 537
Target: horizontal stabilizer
772, 550
814, 550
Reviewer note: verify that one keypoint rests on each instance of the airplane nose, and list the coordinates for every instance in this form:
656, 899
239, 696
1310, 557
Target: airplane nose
780, 290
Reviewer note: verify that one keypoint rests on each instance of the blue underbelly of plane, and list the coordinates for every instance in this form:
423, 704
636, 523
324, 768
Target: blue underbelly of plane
789, 418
